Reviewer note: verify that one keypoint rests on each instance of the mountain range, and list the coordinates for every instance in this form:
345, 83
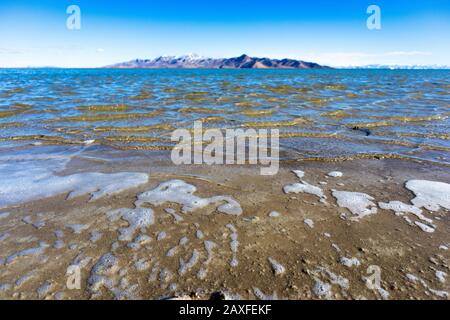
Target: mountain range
194, 61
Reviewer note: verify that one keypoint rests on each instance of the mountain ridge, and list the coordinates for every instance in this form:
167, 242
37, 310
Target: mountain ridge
194, 61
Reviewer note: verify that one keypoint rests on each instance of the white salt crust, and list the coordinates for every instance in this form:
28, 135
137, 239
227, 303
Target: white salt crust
274, 214
234, 244
350, 262
359, 204
139, 218
180, 192
430, 194
277, 268
185, 266
28, 180
35, 251
309, 223
102, 272
426, 228
262, 296
304, 187
401, 208
300, 174
335, 174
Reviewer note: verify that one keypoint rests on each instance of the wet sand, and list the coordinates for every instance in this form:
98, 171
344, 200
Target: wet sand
312, 250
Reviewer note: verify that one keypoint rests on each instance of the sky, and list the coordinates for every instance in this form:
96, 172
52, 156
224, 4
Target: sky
330, 32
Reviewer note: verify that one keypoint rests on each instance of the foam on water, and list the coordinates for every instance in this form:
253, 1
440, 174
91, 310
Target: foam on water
180, 192
430, 194
359, 204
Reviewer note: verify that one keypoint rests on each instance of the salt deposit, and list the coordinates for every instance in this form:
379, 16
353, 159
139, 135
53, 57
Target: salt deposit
180, 192
209, 247
274, 214
77, 228
102, 271
425, 227
262, 296
27, 252
277, 268
430, 194
439, 293
43, 290
304, 187
175, 216
359, 204
400, 208
142, 264
335, 174
441, 276
199, 234
95, 236
350, 262
139, 218
322, 289
234, 244
309, 223
300, 174
24, 279
172, 251
183, 241
186, 266
25, 180
161, 236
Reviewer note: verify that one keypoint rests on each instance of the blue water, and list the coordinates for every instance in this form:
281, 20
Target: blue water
320, 113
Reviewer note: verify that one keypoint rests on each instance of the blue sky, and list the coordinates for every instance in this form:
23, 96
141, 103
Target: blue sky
34, 33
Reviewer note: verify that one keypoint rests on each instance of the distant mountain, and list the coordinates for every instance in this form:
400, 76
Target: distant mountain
195, 61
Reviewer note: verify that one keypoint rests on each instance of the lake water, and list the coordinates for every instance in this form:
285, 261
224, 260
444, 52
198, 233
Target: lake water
320, 113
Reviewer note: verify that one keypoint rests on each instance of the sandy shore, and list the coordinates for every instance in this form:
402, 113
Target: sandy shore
283, 245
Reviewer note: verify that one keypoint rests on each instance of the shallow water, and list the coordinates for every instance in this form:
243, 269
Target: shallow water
320, 113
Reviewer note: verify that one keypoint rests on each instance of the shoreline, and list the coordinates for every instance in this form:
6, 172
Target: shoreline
306, 247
